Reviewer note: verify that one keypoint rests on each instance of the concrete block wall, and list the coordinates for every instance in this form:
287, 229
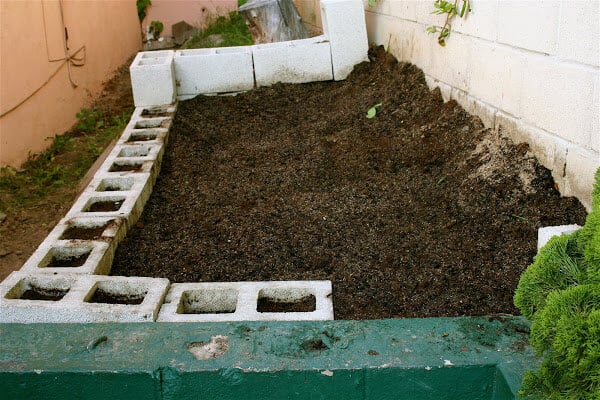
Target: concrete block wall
158, 77
529, 69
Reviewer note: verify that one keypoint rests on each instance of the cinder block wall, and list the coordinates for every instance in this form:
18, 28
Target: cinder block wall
528, 68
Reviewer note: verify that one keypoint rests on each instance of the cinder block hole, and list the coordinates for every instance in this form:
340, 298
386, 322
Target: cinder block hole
155, 112
152, 61
66, 257
85, 231
104, 204
111, 292
208, 301
123, 166
152, 123
143, 136
154, 54
39, 289
286, 300
115, 185
134, 151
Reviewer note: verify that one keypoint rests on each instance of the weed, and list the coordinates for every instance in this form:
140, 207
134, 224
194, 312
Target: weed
63, 163
231, 29
373, 111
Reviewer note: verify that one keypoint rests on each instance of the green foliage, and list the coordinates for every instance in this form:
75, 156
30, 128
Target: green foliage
232, 30
560, 292
373, 111
156, 28
451, 9
142, 5
557, 266
567, 331
64, 162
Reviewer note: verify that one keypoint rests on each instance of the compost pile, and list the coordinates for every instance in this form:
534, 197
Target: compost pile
417, 212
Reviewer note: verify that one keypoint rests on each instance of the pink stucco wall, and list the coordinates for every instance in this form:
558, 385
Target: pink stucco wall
37, 99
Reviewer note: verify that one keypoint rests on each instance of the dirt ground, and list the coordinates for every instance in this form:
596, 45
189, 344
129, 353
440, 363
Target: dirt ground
417, 212
26, 227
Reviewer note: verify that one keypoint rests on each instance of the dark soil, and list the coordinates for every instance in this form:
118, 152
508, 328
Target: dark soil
101, 296
106, 206
305, 304
43, 294
417, 212
83, 233
68, 262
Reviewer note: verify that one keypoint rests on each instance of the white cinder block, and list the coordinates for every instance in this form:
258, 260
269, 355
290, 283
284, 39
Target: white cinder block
579, 34
498, 78
153, 78
296, 61
549, 149
531, 25
220, 70
344, 26
547, 232
405, 9
481, 22
245, 301
114, 195
556, 97
72, 298
579, 174
78, 245
445, 90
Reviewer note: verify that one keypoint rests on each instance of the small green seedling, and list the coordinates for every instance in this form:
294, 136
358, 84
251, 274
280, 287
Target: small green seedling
373, 111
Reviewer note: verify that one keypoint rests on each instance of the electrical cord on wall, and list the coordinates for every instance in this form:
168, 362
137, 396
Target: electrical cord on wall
71, 60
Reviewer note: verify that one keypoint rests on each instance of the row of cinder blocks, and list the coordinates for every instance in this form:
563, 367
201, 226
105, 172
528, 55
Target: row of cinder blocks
161, 77
78, 298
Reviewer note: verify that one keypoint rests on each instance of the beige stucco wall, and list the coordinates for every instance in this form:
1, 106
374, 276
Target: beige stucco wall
37, 99
194, 12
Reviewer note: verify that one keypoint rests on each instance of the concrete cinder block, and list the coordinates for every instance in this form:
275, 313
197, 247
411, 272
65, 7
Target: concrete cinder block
556, 97
579, 20
78, 245
529, 25
153, 78
74, 298
344, 25
296, 61
242, 301
486, 112
219, 70
547, 232
481, 22
581, 165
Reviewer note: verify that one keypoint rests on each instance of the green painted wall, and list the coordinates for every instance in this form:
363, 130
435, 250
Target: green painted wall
437, 358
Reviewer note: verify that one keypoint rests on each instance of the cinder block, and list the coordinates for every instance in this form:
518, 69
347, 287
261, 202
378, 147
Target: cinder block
75, 298
151, 135
486, 112
344, 25
445, 90
248, 301
550, 150
581, 164
220, 70
557, 97
153, 78
481, 22
579, 35
114, 195
529, 25
547, 232
78, 245
296, 61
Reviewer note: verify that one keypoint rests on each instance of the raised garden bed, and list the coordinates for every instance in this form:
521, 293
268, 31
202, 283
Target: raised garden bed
417, 212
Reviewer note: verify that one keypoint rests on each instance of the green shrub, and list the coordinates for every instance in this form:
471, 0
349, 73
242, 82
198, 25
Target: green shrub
560, 292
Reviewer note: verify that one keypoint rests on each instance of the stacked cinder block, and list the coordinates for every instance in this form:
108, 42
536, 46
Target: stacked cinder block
158, 76
248, 301
78, 298
63, 281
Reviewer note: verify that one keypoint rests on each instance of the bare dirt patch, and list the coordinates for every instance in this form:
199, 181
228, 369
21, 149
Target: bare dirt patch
417, 212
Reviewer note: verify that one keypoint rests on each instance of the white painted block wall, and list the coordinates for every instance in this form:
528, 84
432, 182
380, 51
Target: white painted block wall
528, 68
